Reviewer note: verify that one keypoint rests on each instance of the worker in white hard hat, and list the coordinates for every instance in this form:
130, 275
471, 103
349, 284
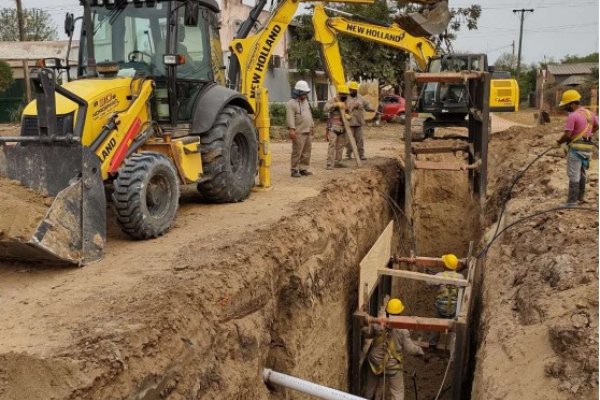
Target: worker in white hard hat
301, 126
577, 136
385, 373
447, 295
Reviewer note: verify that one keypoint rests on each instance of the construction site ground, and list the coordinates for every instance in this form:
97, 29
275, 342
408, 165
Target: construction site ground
272, 282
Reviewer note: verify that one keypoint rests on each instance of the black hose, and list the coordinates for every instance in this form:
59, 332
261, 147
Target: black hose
516, 179
532, 215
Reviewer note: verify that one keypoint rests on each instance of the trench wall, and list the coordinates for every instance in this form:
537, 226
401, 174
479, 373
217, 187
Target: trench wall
281, 298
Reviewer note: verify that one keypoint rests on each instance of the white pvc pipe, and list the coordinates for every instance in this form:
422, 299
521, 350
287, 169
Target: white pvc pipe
291, 382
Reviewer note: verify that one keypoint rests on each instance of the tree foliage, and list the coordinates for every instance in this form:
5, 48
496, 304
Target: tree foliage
38, 25
572, 59
6, 76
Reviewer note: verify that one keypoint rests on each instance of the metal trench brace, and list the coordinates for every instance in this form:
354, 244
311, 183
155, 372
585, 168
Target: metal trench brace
377, 270
476, 147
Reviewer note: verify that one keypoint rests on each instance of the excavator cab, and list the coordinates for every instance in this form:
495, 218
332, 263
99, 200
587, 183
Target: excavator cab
449, 101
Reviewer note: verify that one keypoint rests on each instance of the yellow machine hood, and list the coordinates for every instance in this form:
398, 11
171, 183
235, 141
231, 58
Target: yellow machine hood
99, 93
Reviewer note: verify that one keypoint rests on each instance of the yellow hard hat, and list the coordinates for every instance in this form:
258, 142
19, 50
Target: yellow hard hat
568, 97
450, 261
343, 89
353, 85
394, 307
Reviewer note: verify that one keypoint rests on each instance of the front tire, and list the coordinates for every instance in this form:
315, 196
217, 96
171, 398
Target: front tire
229, 157
146, 195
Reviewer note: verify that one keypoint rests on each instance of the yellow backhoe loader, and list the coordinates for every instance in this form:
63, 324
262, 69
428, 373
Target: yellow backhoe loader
149, 112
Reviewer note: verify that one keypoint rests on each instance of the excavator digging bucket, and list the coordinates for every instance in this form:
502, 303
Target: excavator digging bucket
430, 22
52, 203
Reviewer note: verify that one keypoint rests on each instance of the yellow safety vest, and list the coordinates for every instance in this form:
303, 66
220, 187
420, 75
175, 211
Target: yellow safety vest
391, 352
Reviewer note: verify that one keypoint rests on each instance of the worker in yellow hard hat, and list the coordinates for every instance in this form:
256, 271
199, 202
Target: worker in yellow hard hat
386, 356
357, 105
577, 136
447, 295
336, 133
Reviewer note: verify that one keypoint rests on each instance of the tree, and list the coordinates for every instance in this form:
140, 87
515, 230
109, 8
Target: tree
572, 59
506, 62
38, 25
6, 76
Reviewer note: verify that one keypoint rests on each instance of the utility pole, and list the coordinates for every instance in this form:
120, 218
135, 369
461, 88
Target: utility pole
523, 11
20, 21
512, 60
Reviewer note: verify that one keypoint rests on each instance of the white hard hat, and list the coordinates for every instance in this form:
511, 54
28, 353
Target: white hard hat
302, 86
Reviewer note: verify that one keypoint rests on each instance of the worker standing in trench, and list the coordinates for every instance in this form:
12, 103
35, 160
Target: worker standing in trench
301, 126
385, 356
580, 126
447, 296
357, 105
335, 134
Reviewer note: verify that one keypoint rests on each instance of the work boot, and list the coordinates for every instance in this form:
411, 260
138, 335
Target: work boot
581, 196
572, 195
340, 164
329, 167
305, 172
348, 156
363, 157
296, 173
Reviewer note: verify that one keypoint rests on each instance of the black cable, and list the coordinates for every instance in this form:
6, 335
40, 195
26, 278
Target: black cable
529, 216
515, 180
409, 222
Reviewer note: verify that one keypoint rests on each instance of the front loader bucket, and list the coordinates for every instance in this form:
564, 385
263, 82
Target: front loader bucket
72, 224
427, 23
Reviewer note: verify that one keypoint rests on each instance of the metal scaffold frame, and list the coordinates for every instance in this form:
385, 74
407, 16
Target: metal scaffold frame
477, 123
379, 289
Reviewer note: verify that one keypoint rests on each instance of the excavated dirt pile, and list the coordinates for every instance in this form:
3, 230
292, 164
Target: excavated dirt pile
539, 325
208, 322
21, 210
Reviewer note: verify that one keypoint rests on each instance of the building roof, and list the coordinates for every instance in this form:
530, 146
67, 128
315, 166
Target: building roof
37, 50
572, 69
574, 80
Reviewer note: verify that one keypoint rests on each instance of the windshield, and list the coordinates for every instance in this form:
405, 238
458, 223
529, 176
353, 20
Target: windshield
136, 38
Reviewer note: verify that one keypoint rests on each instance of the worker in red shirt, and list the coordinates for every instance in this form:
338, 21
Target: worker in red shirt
580, 126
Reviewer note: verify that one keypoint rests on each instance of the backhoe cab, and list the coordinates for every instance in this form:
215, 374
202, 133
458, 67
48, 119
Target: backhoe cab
147, 114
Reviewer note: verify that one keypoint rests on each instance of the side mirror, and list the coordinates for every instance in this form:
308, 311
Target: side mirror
69, 24
192, 12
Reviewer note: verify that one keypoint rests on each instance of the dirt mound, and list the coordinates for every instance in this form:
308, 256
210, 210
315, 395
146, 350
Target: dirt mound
539, 331
21, 209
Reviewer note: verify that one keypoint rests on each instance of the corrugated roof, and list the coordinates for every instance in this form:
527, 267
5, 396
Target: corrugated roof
574, 80
37, 50
572, 69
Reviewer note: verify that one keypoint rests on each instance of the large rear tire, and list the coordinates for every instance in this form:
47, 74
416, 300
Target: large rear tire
229, 157
146, 195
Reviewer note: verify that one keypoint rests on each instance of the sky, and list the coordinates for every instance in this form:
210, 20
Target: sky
555, 28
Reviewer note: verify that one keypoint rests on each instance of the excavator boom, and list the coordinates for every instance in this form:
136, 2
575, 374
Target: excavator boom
327, 28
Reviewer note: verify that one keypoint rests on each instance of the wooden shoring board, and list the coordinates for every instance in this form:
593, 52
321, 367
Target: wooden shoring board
377, 257
419, 276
